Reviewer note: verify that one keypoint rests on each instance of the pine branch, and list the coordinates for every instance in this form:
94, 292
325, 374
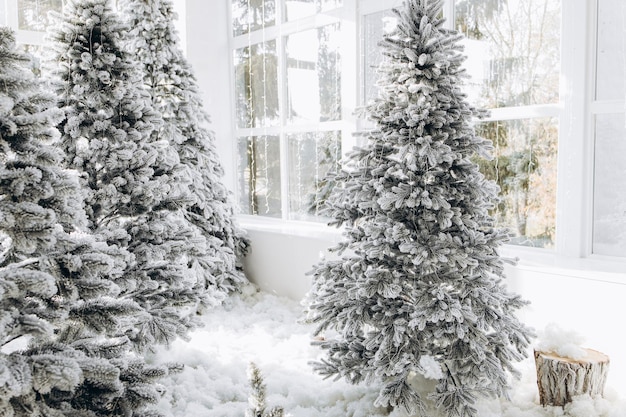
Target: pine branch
256, 400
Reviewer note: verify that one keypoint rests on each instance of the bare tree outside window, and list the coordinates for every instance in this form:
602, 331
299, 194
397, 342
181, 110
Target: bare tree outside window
33, 14
297, 9
287, 97
513, 60
251, 15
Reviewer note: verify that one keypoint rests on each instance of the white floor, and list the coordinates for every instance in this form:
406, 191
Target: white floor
263, 328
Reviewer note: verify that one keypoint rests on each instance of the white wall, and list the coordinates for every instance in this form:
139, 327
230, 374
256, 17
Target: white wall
209, 55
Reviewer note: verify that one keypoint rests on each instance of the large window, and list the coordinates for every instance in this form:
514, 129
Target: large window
29, 19
551, 73
290, 102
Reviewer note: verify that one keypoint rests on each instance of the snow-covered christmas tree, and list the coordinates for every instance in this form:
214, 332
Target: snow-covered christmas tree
175, 95
62, 353
418, 284
135, 183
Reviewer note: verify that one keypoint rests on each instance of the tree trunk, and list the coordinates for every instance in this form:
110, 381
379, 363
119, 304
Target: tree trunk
559, 379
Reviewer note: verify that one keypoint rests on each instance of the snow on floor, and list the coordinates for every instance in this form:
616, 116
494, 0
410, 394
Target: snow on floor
264, 329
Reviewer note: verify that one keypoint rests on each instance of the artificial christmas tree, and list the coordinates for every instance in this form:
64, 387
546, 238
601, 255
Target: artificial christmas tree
418, 286
61, 349
170, 80
135, 184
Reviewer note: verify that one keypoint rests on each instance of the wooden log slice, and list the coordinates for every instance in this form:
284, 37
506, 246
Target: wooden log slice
559, 378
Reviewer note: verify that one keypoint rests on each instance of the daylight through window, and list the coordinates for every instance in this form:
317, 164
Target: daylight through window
288, 65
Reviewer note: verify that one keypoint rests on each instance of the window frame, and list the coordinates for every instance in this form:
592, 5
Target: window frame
575, 111
346, 124
11, 19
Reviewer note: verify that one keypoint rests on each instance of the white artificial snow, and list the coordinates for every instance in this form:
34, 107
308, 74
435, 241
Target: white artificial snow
16, 345
82, 145
431, 368
6, 104
265, 329
565, 343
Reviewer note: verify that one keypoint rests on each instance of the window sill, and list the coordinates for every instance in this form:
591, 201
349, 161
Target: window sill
300, 228
595, 268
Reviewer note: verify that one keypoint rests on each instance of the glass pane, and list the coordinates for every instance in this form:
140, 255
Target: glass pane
258, 175
524, 166
251, 15
311, 157
314, 75
609, 200
611, 62
33, 52
33, 14
375, 25
297, 9
256, 85
330, 4
513, 50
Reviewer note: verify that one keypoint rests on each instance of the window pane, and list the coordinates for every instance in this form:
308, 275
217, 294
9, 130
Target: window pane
513, 50
330, 4
297, 9
609, 215
611, 62
314, 75
375, 25
258, 175
256, 85
251, 15
524, 166
33, 52
33, 14
311, 156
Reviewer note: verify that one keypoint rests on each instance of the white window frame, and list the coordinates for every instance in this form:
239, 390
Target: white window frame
575, 111
345, 15
29, 37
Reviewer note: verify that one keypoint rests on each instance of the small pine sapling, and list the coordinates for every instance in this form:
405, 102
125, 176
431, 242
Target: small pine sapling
256, 401
418, 284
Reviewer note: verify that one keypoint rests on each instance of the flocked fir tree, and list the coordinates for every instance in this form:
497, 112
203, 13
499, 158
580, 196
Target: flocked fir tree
169, 78
135, 184
418, 284
60, 321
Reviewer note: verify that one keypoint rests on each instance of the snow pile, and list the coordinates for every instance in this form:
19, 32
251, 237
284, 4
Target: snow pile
265, 329
431, 368
566, 344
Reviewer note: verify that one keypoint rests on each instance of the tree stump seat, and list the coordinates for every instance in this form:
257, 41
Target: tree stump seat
559, 378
